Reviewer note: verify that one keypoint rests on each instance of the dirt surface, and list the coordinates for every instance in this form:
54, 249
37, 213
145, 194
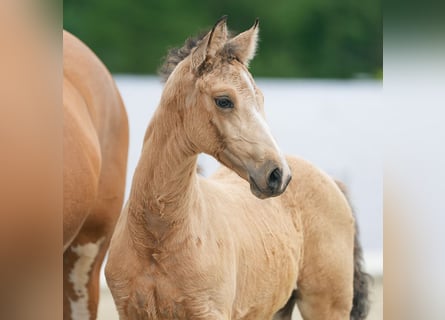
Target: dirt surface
107, 310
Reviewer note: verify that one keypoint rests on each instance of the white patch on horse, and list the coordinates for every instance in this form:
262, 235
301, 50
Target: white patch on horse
79, 277
258, 117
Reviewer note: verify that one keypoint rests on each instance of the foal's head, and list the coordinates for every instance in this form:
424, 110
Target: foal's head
222, 108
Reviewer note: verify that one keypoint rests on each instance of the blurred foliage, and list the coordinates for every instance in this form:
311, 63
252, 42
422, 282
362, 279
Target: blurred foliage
299, 38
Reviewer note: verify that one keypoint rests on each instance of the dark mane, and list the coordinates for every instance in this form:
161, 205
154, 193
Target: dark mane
176, 55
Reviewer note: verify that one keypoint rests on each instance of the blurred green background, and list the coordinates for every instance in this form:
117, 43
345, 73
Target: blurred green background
300, 38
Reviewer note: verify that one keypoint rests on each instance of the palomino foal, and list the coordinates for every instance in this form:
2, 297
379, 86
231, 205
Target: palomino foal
187, 247
95, 144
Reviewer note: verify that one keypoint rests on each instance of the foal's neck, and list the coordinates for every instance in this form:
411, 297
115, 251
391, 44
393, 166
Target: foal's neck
165, 180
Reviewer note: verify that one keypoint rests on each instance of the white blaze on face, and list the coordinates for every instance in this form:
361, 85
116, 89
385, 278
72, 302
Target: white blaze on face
79, 277
264, 126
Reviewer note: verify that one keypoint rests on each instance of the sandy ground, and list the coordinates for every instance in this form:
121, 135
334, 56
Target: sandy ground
107, 310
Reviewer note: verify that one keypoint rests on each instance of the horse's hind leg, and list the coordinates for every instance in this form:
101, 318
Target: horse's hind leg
82, 263
330, 299
325, 286
81, 268
325, 281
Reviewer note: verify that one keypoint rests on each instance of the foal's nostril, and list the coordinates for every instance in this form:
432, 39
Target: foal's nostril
274, 181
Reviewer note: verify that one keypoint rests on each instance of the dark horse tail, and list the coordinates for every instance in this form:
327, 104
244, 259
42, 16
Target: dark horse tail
360, 302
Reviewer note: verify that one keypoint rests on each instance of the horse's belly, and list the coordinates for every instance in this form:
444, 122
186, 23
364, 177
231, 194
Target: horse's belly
266, 289
268, 264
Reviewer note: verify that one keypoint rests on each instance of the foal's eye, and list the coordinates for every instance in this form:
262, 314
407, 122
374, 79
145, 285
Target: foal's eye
224, 102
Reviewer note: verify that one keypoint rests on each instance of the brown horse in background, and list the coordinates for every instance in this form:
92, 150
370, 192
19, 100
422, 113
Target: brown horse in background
234, 246
95, 146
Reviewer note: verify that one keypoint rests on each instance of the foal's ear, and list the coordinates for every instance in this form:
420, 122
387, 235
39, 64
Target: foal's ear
244, 45
211, 43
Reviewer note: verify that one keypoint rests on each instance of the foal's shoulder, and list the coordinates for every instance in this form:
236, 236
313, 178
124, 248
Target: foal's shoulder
224, 179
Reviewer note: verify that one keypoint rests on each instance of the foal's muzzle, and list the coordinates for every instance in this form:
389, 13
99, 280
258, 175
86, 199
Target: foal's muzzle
270, 180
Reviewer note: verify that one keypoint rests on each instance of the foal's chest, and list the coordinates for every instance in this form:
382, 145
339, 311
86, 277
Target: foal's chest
171, 295
159, 300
